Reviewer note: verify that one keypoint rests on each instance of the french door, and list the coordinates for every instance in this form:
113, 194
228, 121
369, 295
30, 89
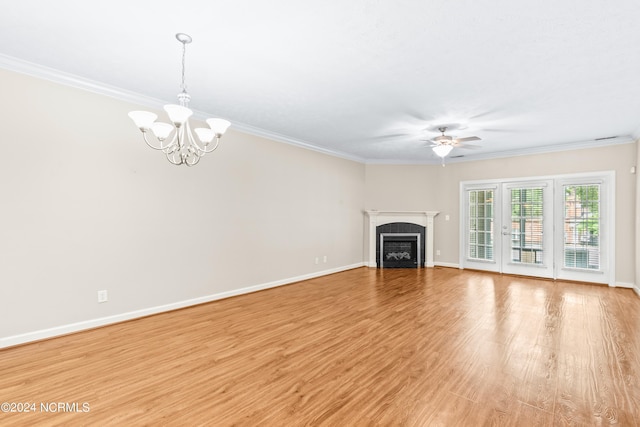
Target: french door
527, 228
554, 227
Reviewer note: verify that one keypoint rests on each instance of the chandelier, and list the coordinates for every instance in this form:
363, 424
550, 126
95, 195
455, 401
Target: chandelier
176, 140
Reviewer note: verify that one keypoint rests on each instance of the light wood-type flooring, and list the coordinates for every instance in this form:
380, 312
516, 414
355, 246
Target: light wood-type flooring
364, 347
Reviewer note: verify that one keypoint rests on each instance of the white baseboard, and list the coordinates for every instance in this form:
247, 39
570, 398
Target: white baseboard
447, 264
624, 285
637, 290
104, 321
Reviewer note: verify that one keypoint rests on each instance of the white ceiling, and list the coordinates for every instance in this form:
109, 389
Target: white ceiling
358, 78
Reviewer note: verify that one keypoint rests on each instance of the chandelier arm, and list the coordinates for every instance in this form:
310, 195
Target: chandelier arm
192, 155
188, 149
172, 143
201, 150
191, 139
171, 157
144, 134
174, 154
179, 141
171, 147
214, 146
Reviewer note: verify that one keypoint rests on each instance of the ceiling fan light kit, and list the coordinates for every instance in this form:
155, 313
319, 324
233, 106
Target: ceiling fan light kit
183, 148
443, 144
442, 150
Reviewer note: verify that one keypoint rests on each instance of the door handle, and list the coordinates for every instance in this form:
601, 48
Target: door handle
505, 233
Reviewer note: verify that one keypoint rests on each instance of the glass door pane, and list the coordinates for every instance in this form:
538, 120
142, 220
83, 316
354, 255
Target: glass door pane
582, 227
480, 225
527, 237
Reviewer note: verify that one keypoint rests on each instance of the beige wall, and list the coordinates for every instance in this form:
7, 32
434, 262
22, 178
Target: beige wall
440, 187
401, 187
86, 205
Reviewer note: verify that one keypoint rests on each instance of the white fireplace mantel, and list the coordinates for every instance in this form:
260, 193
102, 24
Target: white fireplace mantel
376, 218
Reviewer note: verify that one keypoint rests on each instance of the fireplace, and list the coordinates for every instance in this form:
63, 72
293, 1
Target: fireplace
409, 228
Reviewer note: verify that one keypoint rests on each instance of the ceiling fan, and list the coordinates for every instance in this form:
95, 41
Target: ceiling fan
443, 144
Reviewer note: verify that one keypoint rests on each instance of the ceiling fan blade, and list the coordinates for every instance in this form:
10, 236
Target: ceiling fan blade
468, 139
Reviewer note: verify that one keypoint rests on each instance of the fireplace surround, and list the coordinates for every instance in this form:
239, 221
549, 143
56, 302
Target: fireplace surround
375, 219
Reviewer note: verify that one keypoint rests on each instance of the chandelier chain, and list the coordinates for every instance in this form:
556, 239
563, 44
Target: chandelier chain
184, 53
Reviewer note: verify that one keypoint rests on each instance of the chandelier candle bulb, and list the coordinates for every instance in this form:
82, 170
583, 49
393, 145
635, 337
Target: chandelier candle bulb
182, 147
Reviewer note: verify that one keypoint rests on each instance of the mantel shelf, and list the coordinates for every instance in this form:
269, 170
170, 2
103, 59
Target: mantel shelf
427, 213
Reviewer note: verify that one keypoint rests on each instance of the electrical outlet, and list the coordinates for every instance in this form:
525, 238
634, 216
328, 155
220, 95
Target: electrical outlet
447, 217
438, 252
324, 259
317, 260
103, 296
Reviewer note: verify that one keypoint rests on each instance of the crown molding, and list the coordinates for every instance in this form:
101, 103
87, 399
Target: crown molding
578, 145
51, 74
56, 76
252, 130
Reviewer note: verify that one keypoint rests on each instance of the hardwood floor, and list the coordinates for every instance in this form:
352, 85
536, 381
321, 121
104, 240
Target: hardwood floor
364, 347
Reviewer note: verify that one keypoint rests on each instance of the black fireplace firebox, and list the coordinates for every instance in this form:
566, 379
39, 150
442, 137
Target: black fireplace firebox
399, 250
400, 245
